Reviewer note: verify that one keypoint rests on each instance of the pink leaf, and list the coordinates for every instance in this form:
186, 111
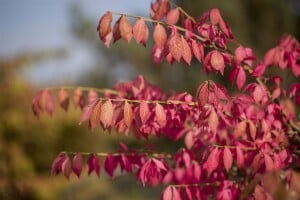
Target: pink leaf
240, 129
215, 16
77, 164
186, 51
241, 78
106, 114
87, 111
227, 158
173, 16
160, 115
198, 50
78, 98
213, 120
140, 31
240, 157
268, 163
104, 28
159, 36
202, 93
92, 96
144, 112
212, 161
128, 114
125, 29
63, 99
66, 167
217, 61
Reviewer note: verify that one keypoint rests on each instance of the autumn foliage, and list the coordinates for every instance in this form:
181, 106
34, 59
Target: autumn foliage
243, 144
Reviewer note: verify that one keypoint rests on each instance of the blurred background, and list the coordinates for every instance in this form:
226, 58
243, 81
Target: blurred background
53, 42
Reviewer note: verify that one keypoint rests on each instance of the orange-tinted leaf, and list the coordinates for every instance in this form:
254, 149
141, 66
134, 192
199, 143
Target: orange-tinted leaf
240, 129
217, 61
95, 115
252, 129
104, 28
160, 115
63, 99
144, 112
213, 120
141, 31
173, 16
227, 158
128, 114
202, 93
116, 30
186, 51
240, 157
46, 101
159, 9
175, 46
159, 35
125, 29
78, 98
106, 114
198, 50
268, 163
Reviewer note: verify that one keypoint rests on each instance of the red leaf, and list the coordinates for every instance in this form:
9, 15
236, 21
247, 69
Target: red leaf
240, 157
269, 163
104, 28
125, 29
106, 114
213, 120
63, 99
110, 165
186, 51
212, 161
77, 164
202, 93
144, 112
198, 50
93, 164
173, 16
240, 129
160, 115
140, 31
159, 36
78, 98
241, 78
217, 61
95, 115
128, 114
215, 16
227, 158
